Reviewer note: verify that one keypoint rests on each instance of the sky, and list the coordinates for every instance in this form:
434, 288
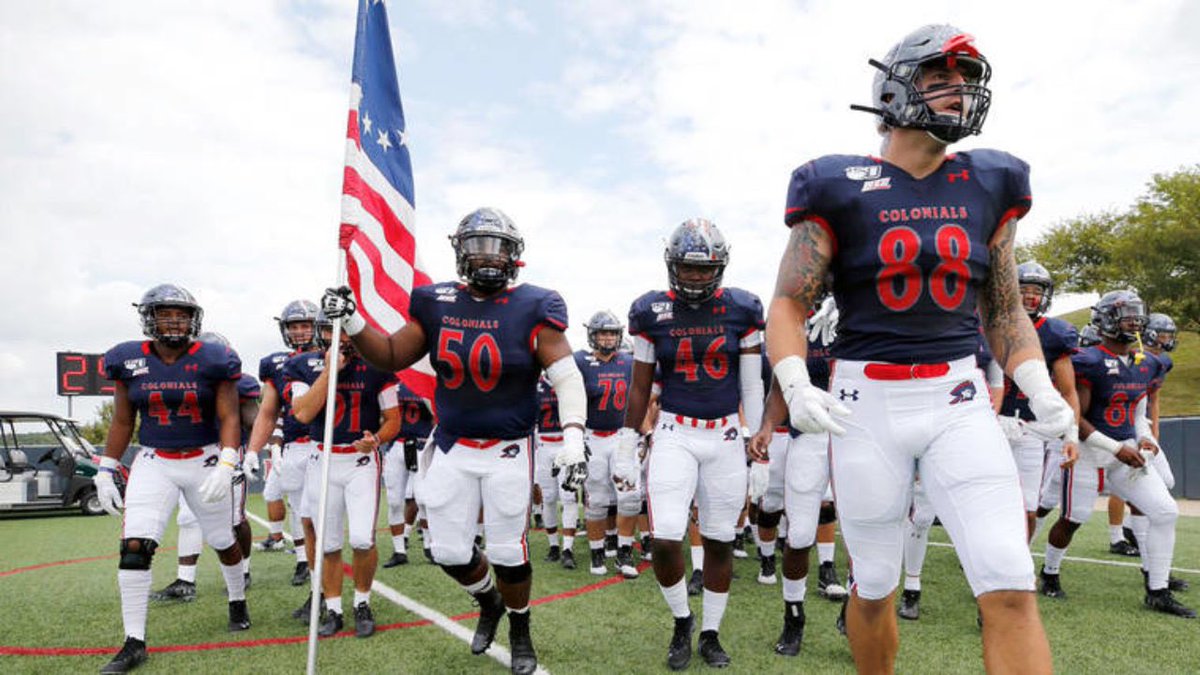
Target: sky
201, 142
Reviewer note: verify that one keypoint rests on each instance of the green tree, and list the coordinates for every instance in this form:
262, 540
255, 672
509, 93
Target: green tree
96, 431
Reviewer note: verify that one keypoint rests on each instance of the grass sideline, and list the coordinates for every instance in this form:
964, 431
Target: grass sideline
623, 627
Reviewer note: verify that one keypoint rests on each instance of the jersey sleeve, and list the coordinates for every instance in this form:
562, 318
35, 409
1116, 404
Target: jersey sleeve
1086, 371
801, 197
750, 310
221, 363
248, 388
420, 308
1020, 195
114, 362
552, 311
639, 316
1066, 342
266, 368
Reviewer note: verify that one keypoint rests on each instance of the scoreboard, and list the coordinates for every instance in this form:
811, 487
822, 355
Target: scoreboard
82, 375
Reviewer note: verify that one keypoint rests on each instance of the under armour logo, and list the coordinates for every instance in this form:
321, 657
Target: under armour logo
666, 425
963, 391
211, 461
191, 367
850, 395
720, 309
363, 461
510, 451
961, 175
502, 301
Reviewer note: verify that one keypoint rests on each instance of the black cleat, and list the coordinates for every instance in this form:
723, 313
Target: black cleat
696, 583
739, 546
679, 652
1174, 584
132, 655
554, 555
302, 612
1050, 586
828, 585
910, 605
1124, 548
271, 544
239, 616
625, 563
398, 558
429, 555
610, 546
598, 567
792, 636
301, 575
331, 625
1130, 537
840, 624
364, 620
568, 559
766, 572
711, 650
491, 609
520, 645
647, 548
178, 590
1163, 601
538, 523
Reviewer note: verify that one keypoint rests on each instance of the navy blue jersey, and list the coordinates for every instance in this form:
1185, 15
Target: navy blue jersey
270, 369
248, 390
177, 403
607, 386
359, 385
1165, 364
483, 353
819, 357
547, 419
1116, 388
697, 347
1059, 341
909, 255
416, 419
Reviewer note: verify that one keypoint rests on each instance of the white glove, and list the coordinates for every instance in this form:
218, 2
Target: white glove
219, 481
760, 474
1012, 426
276, 456
106, 488
571, 460
809, 408
625, 471
1054, 415
822, 325
252, 465
338, 303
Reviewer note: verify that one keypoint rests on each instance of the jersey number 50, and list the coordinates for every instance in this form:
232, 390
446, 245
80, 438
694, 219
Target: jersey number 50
484, 343
899, 282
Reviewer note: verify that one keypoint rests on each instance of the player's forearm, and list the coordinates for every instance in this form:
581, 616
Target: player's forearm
775, 409
389, 430
1009, 331
120, 433
799, 281
228, 415
264, 426
308, 405
786, 332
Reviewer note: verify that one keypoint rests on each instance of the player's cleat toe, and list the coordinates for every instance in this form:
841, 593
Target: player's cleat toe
178, 590
491, 610
1175, 584
828, 584
1163, 601
711, 650
1051, 586
331, 625
766, 572
696, 583
739, 546
625, 563
364, 620
679, 652
271, 545
568, 559
598, 567
132, 655
647, 548
239, 616
1123, 548
554, 555
792, 636
301, 575
1130, 537
610, 546
303, 611
910, 605
520, 645
398, 558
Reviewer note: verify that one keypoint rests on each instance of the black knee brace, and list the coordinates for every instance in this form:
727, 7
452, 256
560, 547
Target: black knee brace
139, 559
828, 514
513, 574
644, 511
460, 571
769, 519
612, 511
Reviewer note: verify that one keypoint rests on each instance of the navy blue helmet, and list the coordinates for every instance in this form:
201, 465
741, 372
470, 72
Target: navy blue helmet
296, 311
604, 320
699, 243
487, 248
1160, 331
1120, 316
169, 295
1034, 274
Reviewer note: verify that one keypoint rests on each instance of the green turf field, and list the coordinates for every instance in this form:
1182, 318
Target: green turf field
617, 628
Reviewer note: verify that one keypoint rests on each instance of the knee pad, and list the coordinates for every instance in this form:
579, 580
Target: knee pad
460, 571
139, 559
769, 519
828, 514
595, 512
513, 574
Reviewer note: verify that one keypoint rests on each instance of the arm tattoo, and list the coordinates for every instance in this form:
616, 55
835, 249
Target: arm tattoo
803, 266
1004, 320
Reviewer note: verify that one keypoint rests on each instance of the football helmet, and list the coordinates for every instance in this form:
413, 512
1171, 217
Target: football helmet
699, 243
601, 321
320, 324
1088, 336
213, 337
487, 248
1120, 316
1034, 274
169, 295
898, 102
296, 311
1160, 331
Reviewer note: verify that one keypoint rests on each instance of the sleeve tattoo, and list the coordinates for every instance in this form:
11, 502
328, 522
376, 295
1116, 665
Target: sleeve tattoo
803, 266
1004, 319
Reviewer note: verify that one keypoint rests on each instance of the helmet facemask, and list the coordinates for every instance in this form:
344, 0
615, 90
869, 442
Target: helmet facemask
488, 262
162, 324
1122, 321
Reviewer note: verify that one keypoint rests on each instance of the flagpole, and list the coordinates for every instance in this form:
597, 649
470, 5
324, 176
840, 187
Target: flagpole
331, 370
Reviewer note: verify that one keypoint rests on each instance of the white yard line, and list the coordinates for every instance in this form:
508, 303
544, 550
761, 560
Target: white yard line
1094, 561
425, 612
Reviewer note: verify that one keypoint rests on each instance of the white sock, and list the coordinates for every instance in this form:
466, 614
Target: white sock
767, 548
714, 609
596, 545
399, 543
1116, 534
825, 552
568, 541
552, 537
610, 533
361, 597
334, 604
794, 590
301, 552
676, 597
912, 583
275, 527
1054, 556
235, 583
187, 572
697, 558
624, 541
135, 596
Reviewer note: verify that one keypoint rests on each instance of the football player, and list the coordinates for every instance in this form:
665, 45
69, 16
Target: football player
917, 240
707, 339
606, 376
400, 463
490, 340
549, 443
370, 416
185, 394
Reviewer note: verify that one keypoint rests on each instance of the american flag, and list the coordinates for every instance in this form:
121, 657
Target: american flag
378, 218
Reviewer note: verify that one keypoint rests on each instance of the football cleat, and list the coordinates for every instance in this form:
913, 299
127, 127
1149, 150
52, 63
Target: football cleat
696, 583
1163, 601
1124, 548
711, 650
739, 546
364, 620
766, 572
598, 564
180, 590
246, 580
538, 523
132, 655
1174, 584
610, 546
828, 585
679, 652
271, 544
491, 609
520, 645
239, 616
429, 555
303, 611
910, 605
1051, 587
625, 563
568, 559
792, 636
301, 575
398, 558
647, 548
554, 555
331, 624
